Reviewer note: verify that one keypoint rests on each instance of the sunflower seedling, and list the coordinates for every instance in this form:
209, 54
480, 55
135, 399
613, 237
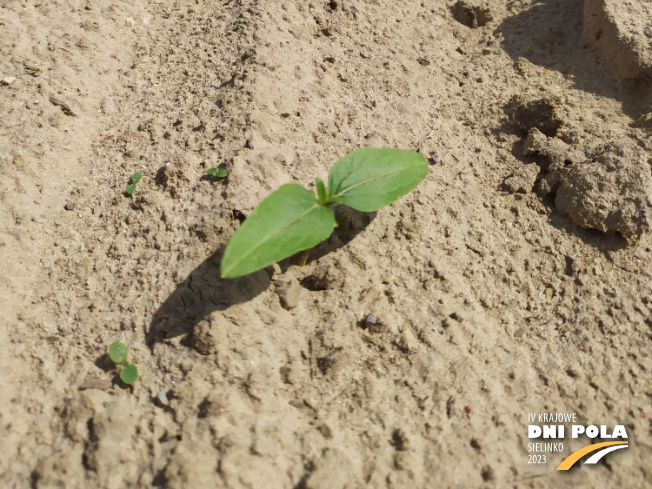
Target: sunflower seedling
217, 172
118, 353
135, 178
292, 219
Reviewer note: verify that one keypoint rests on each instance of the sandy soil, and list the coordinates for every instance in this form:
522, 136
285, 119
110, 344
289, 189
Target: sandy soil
515, 279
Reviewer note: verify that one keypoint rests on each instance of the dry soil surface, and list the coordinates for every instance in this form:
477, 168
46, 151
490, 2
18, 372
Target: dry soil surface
515, 279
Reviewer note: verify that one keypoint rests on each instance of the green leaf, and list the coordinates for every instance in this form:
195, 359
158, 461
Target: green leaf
370, 178
131, 188
288, 221
217, 172
129, 374
118, 352
322, 193
135, 178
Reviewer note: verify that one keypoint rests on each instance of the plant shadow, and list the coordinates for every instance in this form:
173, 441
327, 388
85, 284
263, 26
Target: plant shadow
201, 293
350, 223
103, 362
204, 291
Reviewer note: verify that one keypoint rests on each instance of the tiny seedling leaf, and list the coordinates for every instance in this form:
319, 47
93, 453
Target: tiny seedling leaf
217, 172
135, 178
129, 374
131, 188
286, 222
118, 352
322, 193
370, 178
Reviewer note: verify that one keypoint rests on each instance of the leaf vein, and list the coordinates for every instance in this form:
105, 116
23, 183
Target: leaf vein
271, 236
372, 179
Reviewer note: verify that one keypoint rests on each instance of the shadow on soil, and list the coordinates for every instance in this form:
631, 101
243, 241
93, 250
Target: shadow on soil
201, 293
549, 34
204, 291
602, 242
350, 223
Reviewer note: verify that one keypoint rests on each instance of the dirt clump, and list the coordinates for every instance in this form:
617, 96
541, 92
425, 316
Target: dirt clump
472, 13
611, 192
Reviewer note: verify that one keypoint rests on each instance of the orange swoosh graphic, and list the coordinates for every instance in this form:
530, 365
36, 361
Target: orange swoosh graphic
575, 456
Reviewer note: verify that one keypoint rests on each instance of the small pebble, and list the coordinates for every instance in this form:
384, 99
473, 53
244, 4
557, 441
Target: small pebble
8, 80
205, 338
371, 320
407, 342
69, 206
373, 324
434, 159
163, 398
289, 294
369, 296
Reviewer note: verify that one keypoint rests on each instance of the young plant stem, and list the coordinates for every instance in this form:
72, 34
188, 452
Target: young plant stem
302, 257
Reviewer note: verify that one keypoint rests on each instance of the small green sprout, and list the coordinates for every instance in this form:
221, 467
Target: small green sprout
129, 374
217, 172
292, 219
135, 178
118, 353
